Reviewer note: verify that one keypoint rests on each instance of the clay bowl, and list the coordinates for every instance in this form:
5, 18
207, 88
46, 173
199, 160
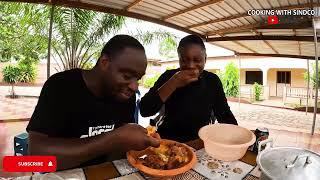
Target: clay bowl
226, 142
133, 157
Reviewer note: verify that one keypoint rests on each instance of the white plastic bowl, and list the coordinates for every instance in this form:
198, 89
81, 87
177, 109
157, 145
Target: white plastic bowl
226, 142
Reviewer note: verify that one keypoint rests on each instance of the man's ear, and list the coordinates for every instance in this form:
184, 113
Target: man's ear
104, 61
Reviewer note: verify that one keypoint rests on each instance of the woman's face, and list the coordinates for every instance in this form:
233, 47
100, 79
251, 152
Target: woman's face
192, 57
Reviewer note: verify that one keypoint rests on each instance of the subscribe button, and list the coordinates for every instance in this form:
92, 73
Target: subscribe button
29, 163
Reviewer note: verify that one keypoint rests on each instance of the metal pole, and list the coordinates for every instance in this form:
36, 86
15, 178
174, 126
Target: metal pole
307, 104
239, 60
49, 41
317, 77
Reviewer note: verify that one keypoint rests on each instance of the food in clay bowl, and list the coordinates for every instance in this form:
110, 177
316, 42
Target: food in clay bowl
170, 159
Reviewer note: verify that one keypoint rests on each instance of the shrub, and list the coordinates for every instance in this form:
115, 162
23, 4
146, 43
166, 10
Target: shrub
257, 88
28, 72
148, 83
171, 67
11, 74
230, 80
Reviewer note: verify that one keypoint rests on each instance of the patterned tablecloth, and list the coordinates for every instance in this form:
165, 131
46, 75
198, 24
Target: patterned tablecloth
205, 168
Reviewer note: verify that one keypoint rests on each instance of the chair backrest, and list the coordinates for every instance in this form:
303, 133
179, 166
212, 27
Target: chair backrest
159, 117
20, 143
137, 110
212, 118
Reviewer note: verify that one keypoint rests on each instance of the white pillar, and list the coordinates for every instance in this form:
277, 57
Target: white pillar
239, 61
265, 77
266, 93
308, 86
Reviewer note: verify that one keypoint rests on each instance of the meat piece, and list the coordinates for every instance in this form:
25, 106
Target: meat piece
170, 156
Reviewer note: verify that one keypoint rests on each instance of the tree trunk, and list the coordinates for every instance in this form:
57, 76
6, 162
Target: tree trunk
13, 94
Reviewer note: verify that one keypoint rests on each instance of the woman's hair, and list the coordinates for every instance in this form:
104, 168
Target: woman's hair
190, 40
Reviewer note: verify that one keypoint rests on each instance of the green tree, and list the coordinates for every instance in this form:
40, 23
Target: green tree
230, 80
79, 35
11, 75
312, 75
167, 41
23, 31
168, 48
23, 38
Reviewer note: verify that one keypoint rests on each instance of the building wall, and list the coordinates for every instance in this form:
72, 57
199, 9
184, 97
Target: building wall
249, 62
243, 75
267, 65
297, 79
297, 76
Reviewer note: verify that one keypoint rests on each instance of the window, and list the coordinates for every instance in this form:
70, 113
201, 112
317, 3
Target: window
284, 77
254, 76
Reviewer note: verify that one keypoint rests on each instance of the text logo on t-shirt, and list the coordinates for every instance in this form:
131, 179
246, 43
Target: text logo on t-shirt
93, 131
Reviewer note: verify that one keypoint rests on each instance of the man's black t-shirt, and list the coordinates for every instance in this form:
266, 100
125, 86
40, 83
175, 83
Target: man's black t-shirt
67, 109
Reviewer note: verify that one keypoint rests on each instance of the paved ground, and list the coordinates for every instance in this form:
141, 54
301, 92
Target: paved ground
274, 118
18, 108
291, 123
246, 114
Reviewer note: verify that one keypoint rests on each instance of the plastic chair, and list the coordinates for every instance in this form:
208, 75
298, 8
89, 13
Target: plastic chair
137, 110
213, 118
158, 120
21, 144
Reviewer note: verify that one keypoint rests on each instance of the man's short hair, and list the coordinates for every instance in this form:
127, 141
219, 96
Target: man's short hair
118, 43
191, 40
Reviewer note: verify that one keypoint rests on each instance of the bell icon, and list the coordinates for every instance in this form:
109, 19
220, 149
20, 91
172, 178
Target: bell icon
50, 164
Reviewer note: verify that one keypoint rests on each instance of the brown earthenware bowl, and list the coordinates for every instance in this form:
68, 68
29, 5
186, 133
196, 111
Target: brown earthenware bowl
133, 157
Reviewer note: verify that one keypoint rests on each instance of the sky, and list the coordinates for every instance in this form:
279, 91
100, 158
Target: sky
152, 49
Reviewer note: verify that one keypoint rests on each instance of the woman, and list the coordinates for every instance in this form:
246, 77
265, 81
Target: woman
189, 93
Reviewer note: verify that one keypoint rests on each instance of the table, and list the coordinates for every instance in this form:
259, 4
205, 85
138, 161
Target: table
108, 170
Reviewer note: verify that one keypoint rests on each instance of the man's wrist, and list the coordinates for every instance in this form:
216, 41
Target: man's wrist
114, 139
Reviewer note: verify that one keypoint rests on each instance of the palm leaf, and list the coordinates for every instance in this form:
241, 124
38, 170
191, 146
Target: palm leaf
148, 37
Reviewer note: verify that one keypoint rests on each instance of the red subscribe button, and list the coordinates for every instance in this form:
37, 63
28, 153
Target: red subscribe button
29, 163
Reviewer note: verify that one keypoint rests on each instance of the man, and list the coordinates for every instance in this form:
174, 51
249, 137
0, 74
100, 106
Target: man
189, 93
82, 116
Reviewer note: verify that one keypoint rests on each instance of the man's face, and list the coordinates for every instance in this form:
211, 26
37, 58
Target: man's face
122, 73
192, 57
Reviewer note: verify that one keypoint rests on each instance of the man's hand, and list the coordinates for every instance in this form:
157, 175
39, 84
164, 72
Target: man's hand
72, 152
152, 131
184, 77
135, 137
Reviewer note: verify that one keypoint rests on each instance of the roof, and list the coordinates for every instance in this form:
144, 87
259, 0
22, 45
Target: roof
224, 23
